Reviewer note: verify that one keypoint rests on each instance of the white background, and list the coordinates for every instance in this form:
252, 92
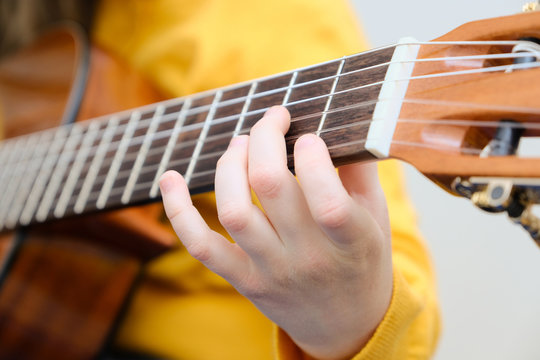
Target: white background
488, 269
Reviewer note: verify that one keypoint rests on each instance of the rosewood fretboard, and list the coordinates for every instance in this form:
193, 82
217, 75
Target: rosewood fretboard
115, 161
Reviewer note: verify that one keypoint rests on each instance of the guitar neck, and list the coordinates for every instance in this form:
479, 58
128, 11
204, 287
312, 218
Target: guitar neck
116, 160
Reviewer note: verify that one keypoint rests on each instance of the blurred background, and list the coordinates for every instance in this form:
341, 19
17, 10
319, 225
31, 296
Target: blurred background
487, 267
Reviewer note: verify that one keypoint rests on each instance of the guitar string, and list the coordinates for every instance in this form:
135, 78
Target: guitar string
469, 151
135, 140
451, 74
416, 101
149, 169
334, 110
311, 115
455, 122
145, 185
212, 172
436, 147
270, 92
469, 123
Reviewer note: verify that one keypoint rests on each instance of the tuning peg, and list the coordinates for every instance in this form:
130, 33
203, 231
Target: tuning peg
514, 196
531, 6
496, 197
530, 222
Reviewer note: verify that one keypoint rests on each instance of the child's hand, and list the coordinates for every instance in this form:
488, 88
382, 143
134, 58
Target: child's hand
317, 260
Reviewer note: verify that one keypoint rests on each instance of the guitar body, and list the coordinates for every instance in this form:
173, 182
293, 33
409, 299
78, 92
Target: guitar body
64, 282
64, 285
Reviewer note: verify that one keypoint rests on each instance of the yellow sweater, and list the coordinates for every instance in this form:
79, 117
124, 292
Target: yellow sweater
181, 310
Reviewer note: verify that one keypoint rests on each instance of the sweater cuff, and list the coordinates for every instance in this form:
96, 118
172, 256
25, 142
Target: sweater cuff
390, 338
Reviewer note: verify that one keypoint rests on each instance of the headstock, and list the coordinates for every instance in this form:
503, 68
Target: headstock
473, 97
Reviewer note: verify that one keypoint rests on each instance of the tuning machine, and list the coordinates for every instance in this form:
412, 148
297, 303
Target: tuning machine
531, 6
515, 196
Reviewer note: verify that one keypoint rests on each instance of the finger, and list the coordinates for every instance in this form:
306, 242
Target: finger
332, 208
273, 183
244, 221
362, 183
212, 249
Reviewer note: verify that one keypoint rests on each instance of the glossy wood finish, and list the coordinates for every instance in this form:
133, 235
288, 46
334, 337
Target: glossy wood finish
61, 297
35, 84
125, 153
68, 281
434, 141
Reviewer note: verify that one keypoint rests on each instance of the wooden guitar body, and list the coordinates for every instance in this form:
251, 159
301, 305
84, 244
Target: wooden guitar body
66, 278
64, 285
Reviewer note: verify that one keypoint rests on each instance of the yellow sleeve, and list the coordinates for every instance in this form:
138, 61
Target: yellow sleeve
187, 46
411, 326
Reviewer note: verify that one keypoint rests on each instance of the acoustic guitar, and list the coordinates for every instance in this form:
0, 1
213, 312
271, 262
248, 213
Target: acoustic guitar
457, 108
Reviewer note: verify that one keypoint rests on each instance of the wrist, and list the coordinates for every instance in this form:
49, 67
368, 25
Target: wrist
341, 335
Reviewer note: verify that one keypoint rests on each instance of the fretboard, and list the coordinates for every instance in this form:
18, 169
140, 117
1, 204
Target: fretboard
116, 160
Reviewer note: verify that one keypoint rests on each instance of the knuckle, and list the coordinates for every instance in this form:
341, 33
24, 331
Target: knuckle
253, 288
266, 181
333, 213
227, 157
260, 124
175, 212
315, 266
199, 251
235, 218
222, 160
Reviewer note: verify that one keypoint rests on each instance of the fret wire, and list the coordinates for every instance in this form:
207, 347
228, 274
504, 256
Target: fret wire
261, 111
289, 88
31, 162
171, 144
43, 175
117, 160
479, 43
330, 148
11, 156
75, 172
268, 92
247, 103
224, 135
365, 122
219, 136
203, 108
141, 157
184, 144
58, 174
6, 174
14, 182
330, 97
143, 186
108, 134
177, 162
196, 126
277, 90
5, 150
202, 136
52, 132
21, 167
